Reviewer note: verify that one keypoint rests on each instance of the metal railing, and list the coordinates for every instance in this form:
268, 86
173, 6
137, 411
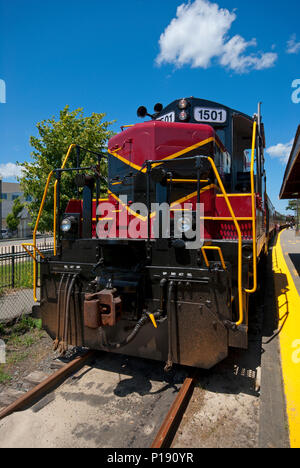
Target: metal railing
57, 172
16, 277
253, 200
25, 246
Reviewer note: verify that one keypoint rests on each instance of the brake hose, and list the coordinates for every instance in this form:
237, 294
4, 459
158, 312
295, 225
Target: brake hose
143, 320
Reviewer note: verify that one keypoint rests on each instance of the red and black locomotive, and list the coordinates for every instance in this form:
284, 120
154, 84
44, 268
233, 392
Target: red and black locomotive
122, 279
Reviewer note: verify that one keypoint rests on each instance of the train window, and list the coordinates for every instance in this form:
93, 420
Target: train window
221, 134
223, 164
242, 142
227, 162
247, 160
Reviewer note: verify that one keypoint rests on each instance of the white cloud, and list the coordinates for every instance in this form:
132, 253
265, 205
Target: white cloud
293, 47
10, 171
198, 35
281, 151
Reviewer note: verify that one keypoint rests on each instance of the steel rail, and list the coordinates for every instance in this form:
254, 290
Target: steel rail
48, 384
167, 431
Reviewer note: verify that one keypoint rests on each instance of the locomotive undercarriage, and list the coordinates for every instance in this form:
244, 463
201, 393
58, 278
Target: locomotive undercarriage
105, 294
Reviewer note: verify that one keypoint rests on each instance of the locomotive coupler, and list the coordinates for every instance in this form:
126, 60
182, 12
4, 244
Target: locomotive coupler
102, 309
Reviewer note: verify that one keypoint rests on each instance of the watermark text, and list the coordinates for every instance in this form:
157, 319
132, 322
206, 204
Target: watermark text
2, 92
296, 93
296, 353
161, 221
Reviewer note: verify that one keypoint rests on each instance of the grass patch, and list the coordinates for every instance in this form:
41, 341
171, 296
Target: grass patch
20, 337
16, 356
19, 327
4, 378
23, 276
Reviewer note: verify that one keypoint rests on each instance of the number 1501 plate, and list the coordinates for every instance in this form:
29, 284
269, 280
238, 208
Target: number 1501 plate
204, 114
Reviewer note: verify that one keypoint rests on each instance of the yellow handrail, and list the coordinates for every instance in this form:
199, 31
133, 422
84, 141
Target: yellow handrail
240, 283
38, 221
211, 247
35, 250
55, 196
126, 126
254, 288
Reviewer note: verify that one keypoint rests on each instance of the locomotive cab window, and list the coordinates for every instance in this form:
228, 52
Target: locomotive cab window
242, 143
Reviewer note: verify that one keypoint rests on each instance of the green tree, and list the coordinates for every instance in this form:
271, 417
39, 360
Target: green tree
292, 205
50, 148
13, 219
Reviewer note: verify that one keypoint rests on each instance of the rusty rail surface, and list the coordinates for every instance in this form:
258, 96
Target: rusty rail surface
167, 431
48, 384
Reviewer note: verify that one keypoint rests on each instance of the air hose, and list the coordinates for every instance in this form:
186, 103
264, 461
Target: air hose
143, 320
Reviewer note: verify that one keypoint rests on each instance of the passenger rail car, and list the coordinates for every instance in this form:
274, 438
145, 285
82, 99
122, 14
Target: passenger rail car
152, 293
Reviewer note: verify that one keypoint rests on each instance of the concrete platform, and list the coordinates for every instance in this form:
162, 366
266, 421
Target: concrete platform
286, 268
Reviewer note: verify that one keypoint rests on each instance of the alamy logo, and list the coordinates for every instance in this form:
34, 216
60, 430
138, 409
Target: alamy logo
296, 93
2, 352
2, 92
164, 221
296, 354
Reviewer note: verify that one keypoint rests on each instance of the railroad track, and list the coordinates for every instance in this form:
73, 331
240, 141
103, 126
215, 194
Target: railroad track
168, 428
57, 378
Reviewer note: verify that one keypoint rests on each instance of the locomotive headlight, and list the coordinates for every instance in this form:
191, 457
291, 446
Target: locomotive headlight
183, 115
66, 225
184, 224
70, 225
182, 104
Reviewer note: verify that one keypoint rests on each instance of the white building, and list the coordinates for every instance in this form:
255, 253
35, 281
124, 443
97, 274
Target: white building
11, 191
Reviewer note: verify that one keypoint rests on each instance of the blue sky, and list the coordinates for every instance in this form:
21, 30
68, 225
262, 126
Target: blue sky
108, 57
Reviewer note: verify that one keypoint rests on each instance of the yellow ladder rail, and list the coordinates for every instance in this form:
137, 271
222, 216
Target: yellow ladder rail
71, 147
253, 198
240, 280
31, 253
212, 247
35, 249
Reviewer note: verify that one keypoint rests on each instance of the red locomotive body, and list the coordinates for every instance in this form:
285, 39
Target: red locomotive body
163, 266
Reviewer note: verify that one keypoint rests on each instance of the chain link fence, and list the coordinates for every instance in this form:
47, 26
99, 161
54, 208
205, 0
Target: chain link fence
16, 280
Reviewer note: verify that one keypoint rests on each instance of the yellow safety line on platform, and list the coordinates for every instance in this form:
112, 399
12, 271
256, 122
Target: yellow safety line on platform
288, 303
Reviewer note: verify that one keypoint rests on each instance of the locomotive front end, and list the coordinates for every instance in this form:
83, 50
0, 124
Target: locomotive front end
156, 268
